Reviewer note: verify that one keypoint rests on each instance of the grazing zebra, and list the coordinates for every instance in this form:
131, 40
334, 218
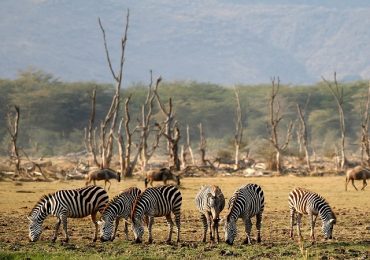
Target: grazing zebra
76, 203
156, 202
210, 202
248, 201
302, 201
119, 207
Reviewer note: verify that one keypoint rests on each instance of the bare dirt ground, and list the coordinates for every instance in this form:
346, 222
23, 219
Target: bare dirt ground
351, 234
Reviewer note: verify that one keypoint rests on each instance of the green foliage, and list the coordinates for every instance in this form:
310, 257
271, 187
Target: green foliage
54, 113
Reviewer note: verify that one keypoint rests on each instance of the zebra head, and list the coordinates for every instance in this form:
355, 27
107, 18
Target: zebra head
230, 230
138, 230
106, 229
213, 203
35, 229
327, 228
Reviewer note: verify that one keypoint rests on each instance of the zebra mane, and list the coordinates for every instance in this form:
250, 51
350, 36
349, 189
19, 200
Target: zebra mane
117, 197
40, 202
231, 203
135, 205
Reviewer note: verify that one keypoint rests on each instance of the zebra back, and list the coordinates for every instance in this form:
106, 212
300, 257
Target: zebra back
121, 205
305, 201
76, 203
248, 199
157, 201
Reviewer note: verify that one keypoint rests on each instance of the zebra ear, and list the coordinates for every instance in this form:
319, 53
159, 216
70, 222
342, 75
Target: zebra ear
100, 222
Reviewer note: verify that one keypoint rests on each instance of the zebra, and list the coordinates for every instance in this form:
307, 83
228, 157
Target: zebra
247, 201
210, 201
119, 207
156, 202
303, 201
77, 203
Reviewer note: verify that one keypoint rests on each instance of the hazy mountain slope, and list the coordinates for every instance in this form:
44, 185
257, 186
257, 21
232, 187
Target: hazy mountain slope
218, 41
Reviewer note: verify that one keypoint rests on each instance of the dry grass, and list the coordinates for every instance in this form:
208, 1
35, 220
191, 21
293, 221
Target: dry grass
352, 237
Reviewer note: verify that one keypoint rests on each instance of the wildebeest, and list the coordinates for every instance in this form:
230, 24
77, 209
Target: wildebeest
163, 174
102, 174
357, 173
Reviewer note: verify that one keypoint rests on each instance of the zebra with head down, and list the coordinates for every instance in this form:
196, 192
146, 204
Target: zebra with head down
156, 202
302, 201
63, 204
247, 201
119, 207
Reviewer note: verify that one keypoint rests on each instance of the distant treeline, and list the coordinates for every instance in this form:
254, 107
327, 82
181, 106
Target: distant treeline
54, 113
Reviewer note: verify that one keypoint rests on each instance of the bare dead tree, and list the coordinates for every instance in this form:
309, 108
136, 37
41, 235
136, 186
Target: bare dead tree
173, 141
13, 128
203, 148
238, 136
145, 128
108, 125
130, 164
338, 95
303, 133
275, 118
186, 150
171, 131
90, 138
365, 144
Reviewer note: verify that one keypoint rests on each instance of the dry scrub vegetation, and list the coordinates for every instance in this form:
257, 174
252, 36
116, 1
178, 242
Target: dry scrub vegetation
351, 234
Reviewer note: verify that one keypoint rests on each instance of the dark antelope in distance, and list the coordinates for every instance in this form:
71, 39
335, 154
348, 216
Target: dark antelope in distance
163, 174
357, 173
102, 174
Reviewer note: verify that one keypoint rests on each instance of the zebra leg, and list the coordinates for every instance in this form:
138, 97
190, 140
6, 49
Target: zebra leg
126, 230
93, 219
299, 218
248, 229
178, 224
210, 226
205, 227
150, 225
292, 217
364, 184
170, 224
258, 226
64, 221
115, 229
215, 230
353, 184
56, 230
313, 221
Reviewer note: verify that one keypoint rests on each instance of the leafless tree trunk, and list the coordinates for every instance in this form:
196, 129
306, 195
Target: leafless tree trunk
365, 144
13, 126
146, 129
108, 125
171, 132
238, 137
202, 146
303, 135
338, 95
275, 118
186, 150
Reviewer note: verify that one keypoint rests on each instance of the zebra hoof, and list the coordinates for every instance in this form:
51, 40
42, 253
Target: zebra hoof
246, 242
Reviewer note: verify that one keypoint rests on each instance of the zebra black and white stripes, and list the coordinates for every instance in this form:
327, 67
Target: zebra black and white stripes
156, 202
210, 201
63, 204
302, 201
119, 207
247, 201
